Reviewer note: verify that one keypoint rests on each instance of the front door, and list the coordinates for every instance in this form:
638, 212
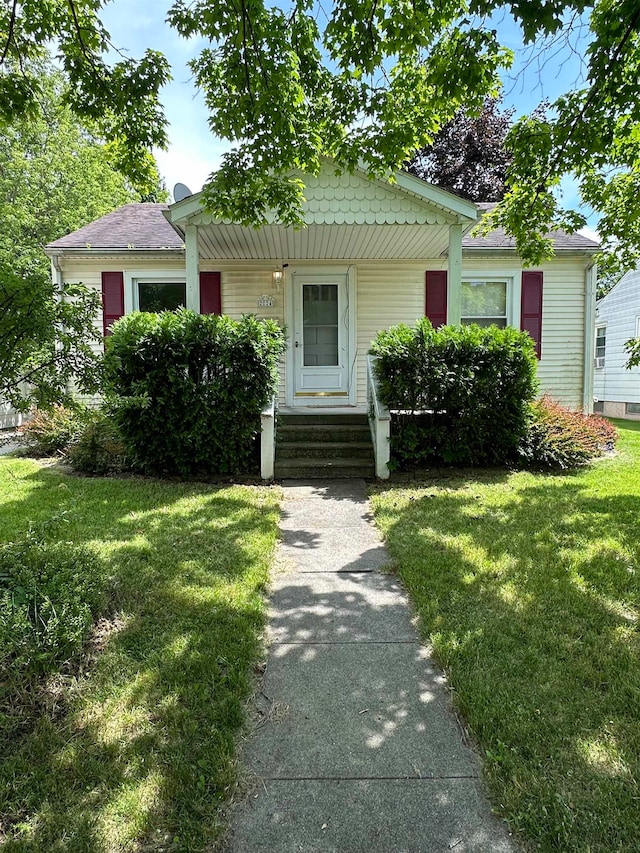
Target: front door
321, 339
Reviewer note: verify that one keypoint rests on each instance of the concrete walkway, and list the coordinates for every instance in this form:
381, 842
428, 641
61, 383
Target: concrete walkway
355, 747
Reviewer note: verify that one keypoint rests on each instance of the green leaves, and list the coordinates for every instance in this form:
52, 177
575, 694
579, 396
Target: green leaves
377, 80
121, 99
55, 176
363, 83
458, 394
187, 390
373, 86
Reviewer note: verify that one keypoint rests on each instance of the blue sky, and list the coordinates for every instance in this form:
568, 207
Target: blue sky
194, 153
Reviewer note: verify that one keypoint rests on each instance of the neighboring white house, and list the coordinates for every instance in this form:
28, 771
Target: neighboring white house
617, 390
372, 255
9, 417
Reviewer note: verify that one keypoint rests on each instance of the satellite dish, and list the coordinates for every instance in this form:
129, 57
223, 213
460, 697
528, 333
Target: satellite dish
180, 192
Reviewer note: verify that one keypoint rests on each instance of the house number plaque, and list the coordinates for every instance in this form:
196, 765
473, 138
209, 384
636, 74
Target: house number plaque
266, 301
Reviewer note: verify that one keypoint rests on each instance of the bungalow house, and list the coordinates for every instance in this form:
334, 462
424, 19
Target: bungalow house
617, 390
372, 255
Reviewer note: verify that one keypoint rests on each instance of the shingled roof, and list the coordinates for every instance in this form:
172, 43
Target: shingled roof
134, 226
499, 240
143, 226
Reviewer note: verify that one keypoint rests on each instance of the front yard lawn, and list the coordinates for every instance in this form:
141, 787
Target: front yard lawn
527, 586
135, 750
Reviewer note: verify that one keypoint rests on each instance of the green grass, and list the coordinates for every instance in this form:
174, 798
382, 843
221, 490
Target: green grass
136, 750
528, 586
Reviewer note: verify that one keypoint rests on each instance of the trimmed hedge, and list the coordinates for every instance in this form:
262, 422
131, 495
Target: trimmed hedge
187, 389
459, 394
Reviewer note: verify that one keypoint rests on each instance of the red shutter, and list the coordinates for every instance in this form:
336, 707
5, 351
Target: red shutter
112, 298
210, 293
436, 297
531, 307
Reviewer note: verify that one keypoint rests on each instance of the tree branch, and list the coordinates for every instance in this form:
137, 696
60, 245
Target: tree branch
12, 24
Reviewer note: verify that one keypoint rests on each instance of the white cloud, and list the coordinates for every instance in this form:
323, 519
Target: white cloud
591, 233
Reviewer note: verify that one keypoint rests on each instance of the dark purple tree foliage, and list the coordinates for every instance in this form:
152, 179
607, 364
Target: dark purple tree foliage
468, 156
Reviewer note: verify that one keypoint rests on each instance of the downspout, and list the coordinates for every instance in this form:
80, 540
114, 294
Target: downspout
56, 276
591, 278
58, 283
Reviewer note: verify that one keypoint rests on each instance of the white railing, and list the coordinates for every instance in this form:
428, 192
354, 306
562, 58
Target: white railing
268, 441
379, 423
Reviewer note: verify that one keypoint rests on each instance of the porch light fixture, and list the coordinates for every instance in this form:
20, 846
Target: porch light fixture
277, 276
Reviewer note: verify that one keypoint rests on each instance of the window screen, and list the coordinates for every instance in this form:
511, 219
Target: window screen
484, 303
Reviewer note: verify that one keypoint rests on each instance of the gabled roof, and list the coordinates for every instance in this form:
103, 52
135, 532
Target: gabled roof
347, 216
355, 199
375, 226
497, 239
134, 226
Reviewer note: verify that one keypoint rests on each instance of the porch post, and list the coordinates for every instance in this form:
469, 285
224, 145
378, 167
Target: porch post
192, 267
454, 277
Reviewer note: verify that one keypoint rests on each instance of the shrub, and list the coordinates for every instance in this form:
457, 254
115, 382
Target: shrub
49, 594
50, 431
187, 389
99, 448
558, 437
458, 394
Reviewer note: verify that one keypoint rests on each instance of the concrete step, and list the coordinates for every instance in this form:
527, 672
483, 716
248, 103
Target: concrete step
324, 445
302, 468
314, 420
322, 432
325, 450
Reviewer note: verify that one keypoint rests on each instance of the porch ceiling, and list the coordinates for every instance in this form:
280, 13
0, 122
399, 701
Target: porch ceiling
223, 241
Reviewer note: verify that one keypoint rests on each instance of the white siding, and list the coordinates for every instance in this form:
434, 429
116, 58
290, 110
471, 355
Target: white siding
618, 312
388, 293
395, 294
561, 368
89, 271
242, 286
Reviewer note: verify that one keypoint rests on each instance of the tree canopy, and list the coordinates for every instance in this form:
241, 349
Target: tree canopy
55, 176
120, 98
364, 82
468, 156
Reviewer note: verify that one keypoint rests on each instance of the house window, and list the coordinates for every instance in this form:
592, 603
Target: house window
484, 302
632, 408
161, 295
601, 345
598, 406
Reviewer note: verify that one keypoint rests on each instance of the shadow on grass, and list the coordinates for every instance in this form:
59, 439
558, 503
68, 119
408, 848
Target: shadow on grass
145, 751
530, 595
